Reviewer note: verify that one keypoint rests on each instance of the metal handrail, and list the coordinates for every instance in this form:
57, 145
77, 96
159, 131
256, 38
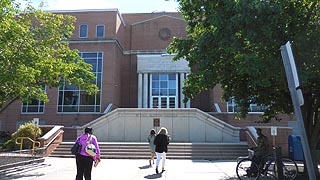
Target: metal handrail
27, 138
252, 138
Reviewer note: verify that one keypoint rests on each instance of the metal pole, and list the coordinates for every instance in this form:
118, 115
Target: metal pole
279, 163
293, 91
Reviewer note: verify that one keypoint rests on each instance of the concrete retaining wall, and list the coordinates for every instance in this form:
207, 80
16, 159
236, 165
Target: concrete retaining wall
184, 125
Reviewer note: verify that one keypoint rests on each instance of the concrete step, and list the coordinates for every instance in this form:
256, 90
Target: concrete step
138, 150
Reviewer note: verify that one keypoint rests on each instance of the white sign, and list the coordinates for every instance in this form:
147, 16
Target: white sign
292, 64
273, 130
300, 97
36, 121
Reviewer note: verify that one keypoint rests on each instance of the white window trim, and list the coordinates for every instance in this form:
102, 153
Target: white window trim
80, 31
104, 29
38, 106
233, 104
159, 97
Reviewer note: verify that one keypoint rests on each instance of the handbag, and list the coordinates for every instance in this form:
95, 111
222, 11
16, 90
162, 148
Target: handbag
76, 148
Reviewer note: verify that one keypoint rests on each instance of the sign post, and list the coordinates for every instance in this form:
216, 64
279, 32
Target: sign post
297, 100
35, 126
274, 133
36, 122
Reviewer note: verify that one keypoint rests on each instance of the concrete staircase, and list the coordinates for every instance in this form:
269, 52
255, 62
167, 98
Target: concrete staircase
138, 150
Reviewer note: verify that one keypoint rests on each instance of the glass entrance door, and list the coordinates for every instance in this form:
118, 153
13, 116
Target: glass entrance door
164, 91
163, 102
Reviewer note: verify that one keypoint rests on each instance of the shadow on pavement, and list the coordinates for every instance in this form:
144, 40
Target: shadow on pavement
20, 171
145, 167
18, 176
153, 176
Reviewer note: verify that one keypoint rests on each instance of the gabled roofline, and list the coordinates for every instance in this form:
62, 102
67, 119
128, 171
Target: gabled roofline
181, 19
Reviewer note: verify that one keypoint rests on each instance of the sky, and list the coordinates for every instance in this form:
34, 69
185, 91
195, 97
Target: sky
124, 6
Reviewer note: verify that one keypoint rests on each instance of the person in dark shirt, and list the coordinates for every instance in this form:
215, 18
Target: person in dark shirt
262, 148
161, 141
261, 151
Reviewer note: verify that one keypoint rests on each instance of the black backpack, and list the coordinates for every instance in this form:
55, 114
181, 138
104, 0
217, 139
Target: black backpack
76, 148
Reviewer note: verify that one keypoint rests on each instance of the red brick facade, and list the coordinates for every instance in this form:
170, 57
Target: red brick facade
125, 36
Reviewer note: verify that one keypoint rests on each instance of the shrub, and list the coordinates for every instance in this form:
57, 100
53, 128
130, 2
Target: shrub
25, 130
4, 136
10, 145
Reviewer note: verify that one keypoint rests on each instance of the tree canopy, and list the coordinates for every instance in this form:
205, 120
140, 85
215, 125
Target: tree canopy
236, 44
34, 52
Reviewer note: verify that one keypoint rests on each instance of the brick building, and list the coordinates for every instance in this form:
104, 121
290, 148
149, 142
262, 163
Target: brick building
133, 70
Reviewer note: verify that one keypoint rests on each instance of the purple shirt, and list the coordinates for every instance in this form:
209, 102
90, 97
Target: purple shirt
83, 140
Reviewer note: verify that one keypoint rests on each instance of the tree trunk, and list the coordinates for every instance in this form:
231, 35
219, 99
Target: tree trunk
7, 103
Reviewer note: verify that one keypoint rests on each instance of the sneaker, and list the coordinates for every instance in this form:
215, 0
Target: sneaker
157, 171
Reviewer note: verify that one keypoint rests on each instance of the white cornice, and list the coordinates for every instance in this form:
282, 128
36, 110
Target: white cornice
82, 10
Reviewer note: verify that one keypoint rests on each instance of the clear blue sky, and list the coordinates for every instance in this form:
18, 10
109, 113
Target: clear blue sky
124, 6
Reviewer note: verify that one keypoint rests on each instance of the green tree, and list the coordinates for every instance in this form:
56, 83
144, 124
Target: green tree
34, 51
236, 44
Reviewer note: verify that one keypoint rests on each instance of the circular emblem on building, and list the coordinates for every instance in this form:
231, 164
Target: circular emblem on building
164, 34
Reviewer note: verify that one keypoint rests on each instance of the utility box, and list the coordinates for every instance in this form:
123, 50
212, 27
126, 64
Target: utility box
295, 148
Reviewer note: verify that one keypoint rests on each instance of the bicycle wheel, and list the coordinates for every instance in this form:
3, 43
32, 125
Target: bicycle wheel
269, 168
245, 168
290, 168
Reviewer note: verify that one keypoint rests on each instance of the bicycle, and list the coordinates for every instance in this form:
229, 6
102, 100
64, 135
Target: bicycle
245, 167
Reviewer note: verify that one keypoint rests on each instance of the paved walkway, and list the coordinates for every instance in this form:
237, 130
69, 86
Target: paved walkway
124, 169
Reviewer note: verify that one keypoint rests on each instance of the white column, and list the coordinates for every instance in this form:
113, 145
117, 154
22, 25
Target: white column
176, 102
188, 102
145, 90
139, 90
182, 105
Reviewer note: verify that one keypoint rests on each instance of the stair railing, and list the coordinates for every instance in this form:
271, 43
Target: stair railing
252, 135
35, 144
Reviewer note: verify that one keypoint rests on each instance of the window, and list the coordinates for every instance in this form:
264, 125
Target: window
34, 106
72, 99
164, 91
83, 31
22, 122
100, 31
232, 107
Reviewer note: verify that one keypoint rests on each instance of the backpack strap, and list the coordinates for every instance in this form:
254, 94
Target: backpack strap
89, 140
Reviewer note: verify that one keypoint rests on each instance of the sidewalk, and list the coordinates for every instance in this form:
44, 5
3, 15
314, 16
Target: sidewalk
125, 169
